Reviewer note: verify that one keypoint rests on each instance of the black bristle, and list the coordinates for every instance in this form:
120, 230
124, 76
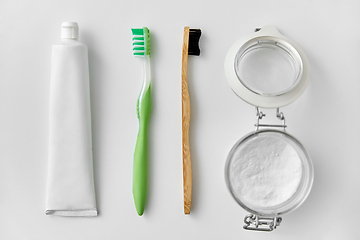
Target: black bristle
194, 36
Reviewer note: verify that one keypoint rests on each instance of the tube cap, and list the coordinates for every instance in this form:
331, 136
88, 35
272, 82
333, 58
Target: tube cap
69, 30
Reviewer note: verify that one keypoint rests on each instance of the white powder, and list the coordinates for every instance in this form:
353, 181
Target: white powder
265, 171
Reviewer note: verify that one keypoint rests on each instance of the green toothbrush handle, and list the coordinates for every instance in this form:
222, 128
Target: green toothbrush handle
140, 155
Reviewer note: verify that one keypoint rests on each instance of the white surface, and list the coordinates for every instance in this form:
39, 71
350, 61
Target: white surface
324, 118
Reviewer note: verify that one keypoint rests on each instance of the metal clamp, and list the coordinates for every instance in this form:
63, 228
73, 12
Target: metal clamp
260, 115
256, 223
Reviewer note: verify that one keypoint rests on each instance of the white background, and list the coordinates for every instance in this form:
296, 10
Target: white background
325, 118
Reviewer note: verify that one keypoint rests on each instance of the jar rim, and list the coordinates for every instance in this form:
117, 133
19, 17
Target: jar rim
261, 99
277, 46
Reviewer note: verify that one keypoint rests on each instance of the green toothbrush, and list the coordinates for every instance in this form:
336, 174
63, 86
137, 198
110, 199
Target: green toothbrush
141, 47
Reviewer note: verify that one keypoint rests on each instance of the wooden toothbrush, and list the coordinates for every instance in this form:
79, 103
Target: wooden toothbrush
190, 47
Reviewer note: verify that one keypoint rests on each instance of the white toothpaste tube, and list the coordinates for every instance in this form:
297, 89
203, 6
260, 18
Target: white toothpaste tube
70, 181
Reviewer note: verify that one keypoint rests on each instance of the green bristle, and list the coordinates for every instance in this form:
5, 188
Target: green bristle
137, 31
141, 41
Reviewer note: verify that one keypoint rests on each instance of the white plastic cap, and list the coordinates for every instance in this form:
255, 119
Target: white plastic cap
69, 30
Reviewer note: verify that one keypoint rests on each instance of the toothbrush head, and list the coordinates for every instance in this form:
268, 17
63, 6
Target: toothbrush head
141, 41
194, 36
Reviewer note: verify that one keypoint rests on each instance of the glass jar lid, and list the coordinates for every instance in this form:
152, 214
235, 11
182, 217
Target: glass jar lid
267, 69
269, 173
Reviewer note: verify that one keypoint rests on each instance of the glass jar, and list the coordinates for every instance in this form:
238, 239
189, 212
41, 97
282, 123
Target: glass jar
268, 172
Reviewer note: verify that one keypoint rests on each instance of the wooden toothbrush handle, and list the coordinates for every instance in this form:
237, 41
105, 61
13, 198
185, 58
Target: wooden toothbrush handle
187, 175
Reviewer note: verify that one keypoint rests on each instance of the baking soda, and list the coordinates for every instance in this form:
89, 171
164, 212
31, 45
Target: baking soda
265, 171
